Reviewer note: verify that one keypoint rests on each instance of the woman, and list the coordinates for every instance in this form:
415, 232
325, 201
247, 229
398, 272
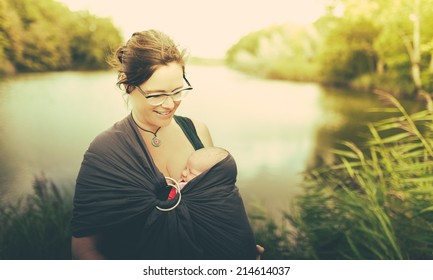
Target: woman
119, 184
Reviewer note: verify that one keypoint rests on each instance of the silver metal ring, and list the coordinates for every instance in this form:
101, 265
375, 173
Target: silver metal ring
176, 186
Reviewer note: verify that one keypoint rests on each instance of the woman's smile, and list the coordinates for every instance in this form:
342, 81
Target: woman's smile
164, 113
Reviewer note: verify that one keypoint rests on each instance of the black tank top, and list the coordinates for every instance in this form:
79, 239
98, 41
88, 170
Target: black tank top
190, 132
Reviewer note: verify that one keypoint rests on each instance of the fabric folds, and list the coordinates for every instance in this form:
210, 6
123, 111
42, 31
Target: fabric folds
117, 191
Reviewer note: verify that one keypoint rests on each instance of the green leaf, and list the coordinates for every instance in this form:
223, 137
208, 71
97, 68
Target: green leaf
428, 209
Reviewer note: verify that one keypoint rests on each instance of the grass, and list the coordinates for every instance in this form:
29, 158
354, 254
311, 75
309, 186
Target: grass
376, 201
37, 227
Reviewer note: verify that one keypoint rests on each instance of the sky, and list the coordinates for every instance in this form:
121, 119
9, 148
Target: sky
206, 28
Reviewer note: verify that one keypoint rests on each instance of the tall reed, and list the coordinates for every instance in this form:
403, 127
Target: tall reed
37, 227
376, 201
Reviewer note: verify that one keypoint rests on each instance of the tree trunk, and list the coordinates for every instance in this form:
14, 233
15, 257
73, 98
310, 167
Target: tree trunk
416, 56
380, 67
430, 68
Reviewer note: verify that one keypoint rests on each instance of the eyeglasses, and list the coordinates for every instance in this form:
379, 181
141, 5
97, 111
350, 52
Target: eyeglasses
156, 99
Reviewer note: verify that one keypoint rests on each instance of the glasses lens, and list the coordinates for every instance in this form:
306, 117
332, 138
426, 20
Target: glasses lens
158, 99
178, 96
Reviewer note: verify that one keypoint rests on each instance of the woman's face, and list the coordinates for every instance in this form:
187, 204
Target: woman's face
165, 79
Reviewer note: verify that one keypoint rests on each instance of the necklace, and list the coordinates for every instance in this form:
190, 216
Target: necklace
156, 142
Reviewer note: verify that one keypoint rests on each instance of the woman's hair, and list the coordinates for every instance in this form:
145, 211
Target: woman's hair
142, 54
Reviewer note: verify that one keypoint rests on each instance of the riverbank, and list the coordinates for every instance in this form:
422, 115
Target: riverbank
291, 71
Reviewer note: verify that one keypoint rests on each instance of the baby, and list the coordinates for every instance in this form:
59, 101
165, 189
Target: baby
198, 162
213, 201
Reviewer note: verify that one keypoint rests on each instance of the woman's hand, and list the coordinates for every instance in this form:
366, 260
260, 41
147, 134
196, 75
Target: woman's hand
85, 248
260, 251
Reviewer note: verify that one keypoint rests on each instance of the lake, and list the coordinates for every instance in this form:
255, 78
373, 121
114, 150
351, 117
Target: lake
274, 129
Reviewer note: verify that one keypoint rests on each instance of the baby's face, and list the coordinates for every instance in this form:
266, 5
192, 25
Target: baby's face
188, 173
192, 169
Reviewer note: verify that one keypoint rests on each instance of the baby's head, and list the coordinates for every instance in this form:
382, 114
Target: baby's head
202, 160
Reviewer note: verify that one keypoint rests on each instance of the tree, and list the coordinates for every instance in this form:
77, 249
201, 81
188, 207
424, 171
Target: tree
44, 35
92, 40
11, 34
405, 27
347, 50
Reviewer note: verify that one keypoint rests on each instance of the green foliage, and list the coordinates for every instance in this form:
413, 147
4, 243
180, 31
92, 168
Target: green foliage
90, 32
278, 52
392, 25
347, 51
277, 240
386, 81
368, 44
10, 36
44, 35
37, 228
376, 201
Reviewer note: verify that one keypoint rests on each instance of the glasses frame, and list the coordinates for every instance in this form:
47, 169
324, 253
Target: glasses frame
150, 95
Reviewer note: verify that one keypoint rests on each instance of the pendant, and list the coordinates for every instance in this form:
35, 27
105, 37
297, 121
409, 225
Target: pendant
156, 142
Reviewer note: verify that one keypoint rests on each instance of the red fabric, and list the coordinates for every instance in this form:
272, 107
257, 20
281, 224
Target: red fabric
172, 194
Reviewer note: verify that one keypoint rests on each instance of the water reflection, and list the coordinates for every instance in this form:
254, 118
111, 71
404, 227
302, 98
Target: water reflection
48, 121
275, 130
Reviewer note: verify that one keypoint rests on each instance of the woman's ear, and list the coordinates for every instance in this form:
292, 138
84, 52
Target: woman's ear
129, 88
122, 78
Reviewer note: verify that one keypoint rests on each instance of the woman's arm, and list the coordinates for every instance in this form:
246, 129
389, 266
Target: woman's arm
203, 133
85, 248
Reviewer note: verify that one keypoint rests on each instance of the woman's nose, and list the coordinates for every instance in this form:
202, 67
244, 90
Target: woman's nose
168, 103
